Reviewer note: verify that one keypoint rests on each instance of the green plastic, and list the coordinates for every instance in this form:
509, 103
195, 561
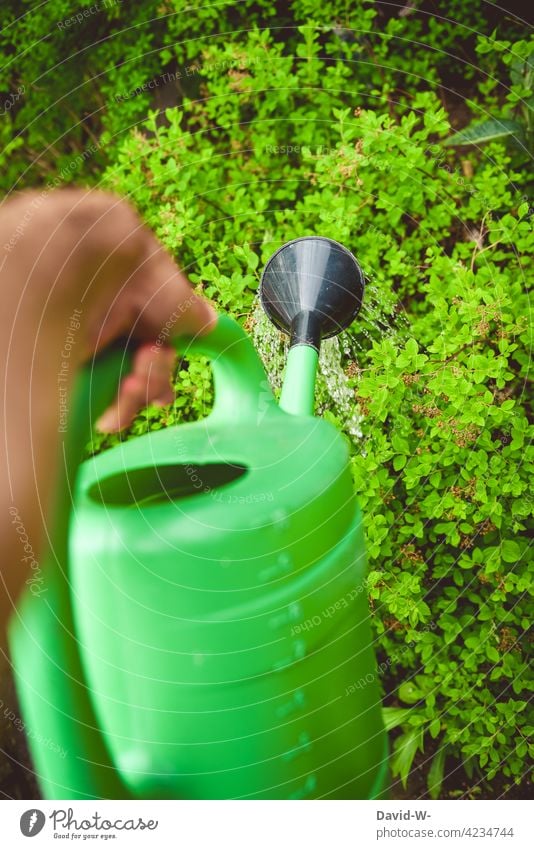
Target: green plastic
298, 391
210, 633
68, 752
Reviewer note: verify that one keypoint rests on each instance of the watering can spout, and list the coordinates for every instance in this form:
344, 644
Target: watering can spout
311, 289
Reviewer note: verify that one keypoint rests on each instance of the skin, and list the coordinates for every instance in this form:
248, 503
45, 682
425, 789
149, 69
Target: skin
85, 250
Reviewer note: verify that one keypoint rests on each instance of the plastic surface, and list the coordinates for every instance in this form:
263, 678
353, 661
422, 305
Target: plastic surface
68, 752
298, 391
312, 288
208, 637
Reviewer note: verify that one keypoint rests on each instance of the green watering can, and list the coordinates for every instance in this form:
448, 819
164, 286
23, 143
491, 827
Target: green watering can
205, 616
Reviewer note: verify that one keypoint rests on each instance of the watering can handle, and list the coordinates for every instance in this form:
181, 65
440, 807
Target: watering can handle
242, 390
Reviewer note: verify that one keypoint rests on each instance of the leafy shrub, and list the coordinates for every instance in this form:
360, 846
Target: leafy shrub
330, 123
517, 122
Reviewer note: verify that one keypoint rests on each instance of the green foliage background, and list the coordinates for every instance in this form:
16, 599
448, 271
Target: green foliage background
285, 120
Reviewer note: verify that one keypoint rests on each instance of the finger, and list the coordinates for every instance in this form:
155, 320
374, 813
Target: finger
149, 381
164, 299
154, 309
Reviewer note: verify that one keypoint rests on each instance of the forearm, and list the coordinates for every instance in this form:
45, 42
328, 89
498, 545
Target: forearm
78, 269
40, 281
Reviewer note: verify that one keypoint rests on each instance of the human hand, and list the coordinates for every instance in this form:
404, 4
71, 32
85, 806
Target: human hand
89, 250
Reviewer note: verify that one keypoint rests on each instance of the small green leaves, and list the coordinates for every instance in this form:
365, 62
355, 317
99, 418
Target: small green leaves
410, 360
409, 693
435, 727
393, 717
510, 551
245, 253
492, 654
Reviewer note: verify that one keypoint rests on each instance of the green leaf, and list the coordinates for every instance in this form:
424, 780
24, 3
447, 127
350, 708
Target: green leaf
434, 728
436, 772
493, 128
510, 551
412, 347
406, 747
394, 716
492, 654
409, 693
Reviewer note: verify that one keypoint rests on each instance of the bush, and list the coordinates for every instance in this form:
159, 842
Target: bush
331, 123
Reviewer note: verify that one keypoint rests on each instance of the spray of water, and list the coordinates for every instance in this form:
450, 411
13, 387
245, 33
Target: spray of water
271, 345
334, 391
333, 388
338, 359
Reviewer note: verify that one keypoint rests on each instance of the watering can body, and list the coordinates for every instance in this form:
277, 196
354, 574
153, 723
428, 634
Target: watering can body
219, 617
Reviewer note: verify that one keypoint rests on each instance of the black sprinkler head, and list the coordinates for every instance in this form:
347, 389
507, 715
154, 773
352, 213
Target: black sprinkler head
311, 288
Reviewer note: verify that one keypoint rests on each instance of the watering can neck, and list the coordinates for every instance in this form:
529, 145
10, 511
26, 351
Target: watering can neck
298, 390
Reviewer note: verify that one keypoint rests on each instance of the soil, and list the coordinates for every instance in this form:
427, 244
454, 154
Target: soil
17, 778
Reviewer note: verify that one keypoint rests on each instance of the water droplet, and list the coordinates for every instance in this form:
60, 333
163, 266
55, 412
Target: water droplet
280, 518
295, 704
307, 788
295, 611
271, 345
299, 649
381, 316
284, 561
303, 745
283, 565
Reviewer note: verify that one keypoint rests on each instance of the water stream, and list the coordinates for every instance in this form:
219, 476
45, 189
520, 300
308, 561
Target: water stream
338, 358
